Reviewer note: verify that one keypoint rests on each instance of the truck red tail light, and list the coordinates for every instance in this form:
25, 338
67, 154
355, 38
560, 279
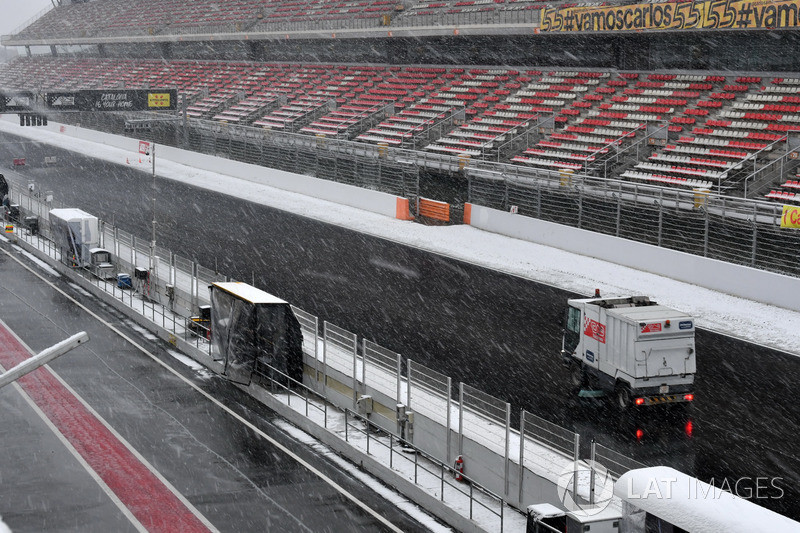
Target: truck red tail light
688, 397
639, 401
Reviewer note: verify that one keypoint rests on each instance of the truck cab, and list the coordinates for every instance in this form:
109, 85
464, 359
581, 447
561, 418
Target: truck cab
632, 348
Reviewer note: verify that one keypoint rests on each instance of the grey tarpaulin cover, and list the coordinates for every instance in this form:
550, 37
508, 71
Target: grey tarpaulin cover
250, 326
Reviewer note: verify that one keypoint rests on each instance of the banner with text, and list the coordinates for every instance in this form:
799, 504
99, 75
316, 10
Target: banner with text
709, 14
113, 100
791, 216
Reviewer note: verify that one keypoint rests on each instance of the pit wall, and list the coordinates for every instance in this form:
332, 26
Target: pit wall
365, 199
760, 286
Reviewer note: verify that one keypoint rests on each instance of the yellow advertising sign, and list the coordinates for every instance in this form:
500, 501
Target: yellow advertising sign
157, 99
708, 14
791, 216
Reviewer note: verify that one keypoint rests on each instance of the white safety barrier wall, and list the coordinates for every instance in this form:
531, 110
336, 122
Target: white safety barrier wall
765, 287
340, 193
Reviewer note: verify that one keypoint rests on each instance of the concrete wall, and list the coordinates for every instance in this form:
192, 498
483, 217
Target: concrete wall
761, 286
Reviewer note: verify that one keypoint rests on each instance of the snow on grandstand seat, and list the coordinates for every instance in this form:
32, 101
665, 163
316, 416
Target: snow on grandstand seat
245, 111
789, 192
209, 106
719, 129
783, 196
492, 120
589, 125
425, 114
661, 179
338, 122
294, 115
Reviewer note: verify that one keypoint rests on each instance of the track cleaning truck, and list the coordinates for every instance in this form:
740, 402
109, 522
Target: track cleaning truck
632, 348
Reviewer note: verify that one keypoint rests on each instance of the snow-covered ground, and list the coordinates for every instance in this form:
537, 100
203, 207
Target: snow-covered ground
756, 322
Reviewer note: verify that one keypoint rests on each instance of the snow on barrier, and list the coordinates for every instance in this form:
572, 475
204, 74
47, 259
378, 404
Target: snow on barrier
365, 199
762, 286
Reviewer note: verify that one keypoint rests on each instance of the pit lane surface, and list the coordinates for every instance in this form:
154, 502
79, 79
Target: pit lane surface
117, 435
494, 331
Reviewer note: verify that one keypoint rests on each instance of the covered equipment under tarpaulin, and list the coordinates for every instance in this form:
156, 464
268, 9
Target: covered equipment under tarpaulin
75, 233
251, 328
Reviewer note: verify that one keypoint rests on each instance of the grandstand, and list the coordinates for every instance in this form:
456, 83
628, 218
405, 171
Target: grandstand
653, 94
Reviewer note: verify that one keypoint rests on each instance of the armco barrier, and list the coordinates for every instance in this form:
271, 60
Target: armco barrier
762, 286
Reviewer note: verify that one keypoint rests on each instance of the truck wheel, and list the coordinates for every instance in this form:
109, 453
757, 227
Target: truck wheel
576, 375
623, 396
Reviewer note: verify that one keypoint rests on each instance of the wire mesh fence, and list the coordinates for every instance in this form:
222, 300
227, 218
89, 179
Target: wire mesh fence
734, 230
553, 435
614, 462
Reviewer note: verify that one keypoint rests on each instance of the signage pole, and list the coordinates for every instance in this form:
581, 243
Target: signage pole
153, 240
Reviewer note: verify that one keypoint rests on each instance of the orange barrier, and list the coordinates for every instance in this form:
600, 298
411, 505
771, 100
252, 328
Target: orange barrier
467, 213
402, 211
435, 210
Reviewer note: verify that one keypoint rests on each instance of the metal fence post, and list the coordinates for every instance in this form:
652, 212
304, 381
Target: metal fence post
316, 352
195, 297
409, 406
324, 357
363, 363
521, 454
506, 472
173, 275
355, 378
755, 236
449, 418
538, 199
461, 418
399, 377
133, 253
592, 474
576, 458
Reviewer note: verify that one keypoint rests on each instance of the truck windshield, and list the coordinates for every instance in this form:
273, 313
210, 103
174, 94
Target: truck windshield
573, 319
572, 331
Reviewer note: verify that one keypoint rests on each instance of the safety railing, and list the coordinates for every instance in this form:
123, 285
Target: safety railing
454, 485
428, 392
278, 382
